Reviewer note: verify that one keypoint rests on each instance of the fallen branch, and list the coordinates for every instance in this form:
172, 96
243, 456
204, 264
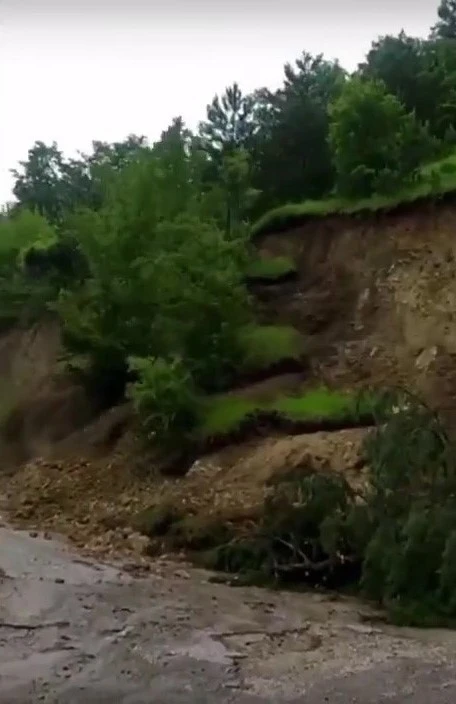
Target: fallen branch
307, 563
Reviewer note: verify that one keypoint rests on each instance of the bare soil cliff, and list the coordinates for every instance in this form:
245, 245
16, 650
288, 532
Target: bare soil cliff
376, 299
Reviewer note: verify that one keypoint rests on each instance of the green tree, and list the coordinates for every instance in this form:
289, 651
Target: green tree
163, 278
292, 139
38, 185
446, 25
51, 185
230, 123
421, 74
377, 145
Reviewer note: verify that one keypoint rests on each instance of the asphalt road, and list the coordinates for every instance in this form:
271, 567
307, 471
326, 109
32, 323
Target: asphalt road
73, 631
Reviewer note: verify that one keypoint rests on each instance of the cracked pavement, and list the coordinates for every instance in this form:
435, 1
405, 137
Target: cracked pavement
72, 630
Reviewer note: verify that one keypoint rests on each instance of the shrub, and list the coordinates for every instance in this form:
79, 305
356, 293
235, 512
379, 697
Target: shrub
166, 401
395, 541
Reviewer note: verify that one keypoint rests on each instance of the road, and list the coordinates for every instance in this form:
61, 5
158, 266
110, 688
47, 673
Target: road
74, 631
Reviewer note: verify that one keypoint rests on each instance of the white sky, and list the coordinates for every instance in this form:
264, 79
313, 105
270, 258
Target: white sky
74, 70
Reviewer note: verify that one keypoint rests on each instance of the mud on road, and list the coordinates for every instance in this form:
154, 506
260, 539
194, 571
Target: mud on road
72, 631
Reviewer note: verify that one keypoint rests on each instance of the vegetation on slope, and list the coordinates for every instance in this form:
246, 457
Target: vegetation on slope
142, 251
270, 269
393, 541
434, 180
265, 346
226, 415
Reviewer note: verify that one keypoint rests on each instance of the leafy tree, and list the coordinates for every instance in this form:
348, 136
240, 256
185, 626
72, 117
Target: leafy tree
230, 123
377, 145
421, 74
53, 186
22, 295
399, 62
292, 139
38, 186
446, 26
163, 279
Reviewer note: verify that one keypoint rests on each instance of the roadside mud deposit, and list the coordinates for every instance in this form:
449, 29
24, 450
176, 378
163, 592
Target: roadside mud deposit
72, 631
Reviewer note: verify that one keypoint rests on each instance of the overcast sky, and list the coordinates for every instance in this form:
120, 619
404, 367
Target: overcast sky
77, 70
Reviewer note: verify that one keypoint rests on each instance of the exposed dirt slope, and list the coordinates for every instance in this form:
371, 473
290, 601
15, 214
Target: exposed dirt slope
39, 404
378, 296
377, 300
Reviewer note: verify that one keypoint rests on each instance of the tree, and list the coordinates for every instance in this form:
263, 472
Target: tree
446, 26
39, 185
293, 132
421, 74
163, 280
399, 62
377, 145
53, 186
230, 123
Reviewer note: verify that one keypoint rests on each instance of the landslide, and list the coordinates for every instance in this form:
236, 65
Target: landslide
374, 296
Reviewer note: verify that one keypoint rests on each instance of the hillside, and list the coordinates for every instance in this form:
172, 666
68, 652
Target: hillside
374, 299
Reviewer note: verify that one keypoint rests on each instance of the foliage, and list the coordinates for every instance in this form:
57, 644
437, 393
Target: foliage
377, 146
163, 280
53, 186
394, 540
435, 180
446, 26
22, 294
421, 74
166, 401
229, 124
292, 138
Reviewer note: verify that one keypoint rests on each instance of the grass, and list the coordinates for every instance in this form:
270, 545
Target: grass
320, 404
266, 345
439, 178
271, 268
225, 414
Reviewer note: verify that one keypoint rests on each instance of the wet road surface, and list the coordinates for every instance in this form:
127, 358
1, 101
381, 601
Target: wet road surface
73, 631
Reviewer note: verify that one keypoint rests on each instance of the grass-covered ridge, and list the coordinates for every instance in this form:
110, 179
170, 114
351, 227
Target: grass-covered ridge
271, 269
226, 414
438, 179
265, 346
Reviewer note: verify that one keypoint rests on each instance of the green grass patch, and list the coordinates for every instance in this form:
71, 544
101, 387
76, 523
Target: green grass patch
438, 179
266, 345
271, 268
224, 415
320, 404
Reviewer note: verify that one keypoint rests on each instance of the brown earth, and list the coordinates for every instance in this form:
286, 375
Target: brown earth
376, 298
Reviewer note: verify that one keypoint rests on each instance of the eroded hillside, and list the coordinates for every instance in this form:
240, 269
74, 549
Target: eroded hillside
377, 296
374, 299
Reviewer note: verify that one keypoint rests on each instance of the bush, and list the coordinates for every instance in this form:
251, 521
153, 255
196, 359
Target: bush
395, 541
166, 401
